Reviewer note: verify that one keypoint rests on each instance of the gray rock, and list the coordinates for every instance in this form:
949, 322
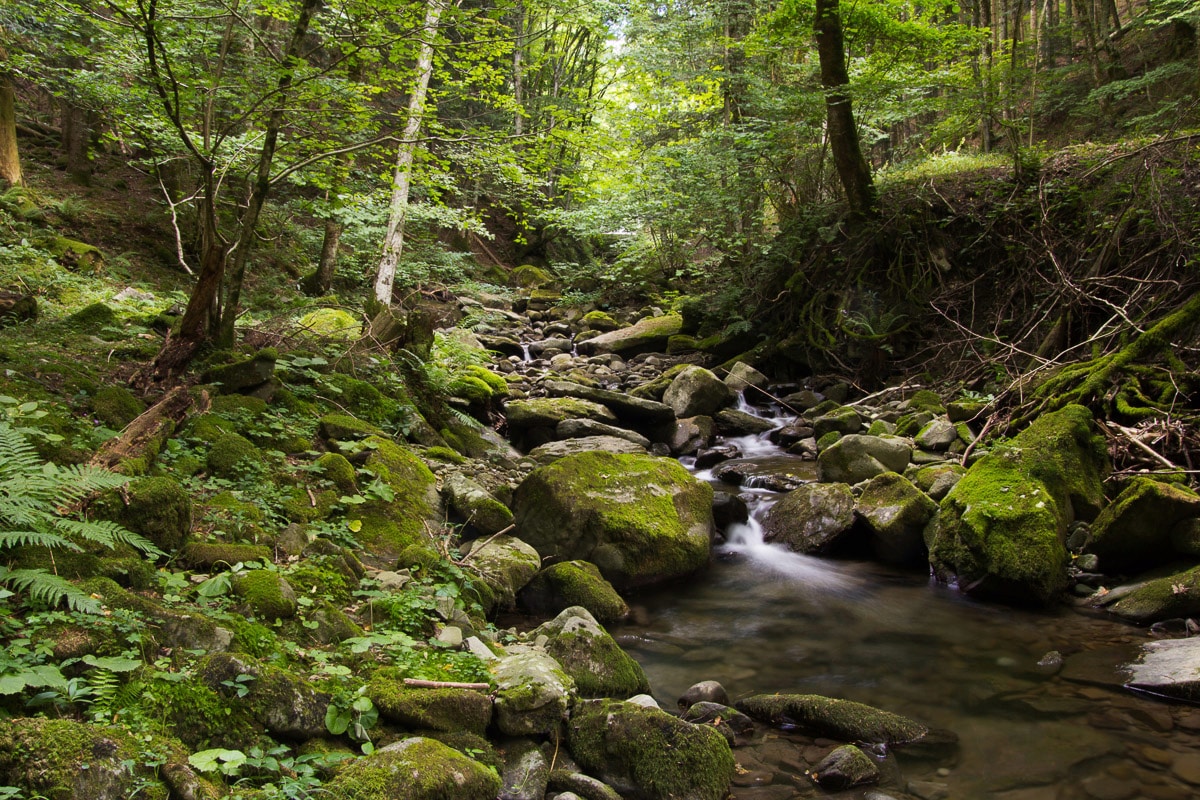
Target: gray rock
284, 704
472, 502
526, 771
533, 693
691, 434
1174, 596
844, 420
937, 480
1134, 531
244, 375
803, 400
937, 435
416, 768
1168, 668
704, 692
577, 786
547, 412
649, 335
630, 410
845, 768
812, 518
581, 428
550, 452
505, 564
706, 712
742, 375
573, 583
731, 422
697, 392
856, 458
593, 659
897, 513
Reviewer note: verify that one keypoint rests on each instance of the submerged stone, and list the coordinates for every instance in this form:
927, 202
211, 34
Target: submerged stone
1134, 531
837, 719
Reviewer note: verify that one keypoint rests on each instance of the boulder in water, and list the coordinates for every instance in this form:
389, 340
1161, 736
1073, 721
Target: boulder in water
1169, 668
743, 376
593, 659
731, 422
1171, 597
896, 512
812, 518
844, 768
697, 392
640, 519
648, 753
691, 434
704, 692
1134, 531
844, 420
855, 457
844, 720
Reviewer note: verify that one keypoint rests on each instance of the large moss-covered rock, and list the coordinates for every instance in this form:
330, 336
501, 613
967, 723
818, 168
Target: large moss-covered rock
647, 753
856, 457
475, 504
640, 519
533, 692
812, 518
844, 720
1134, 531
345, 428
221, 556
242, 376
285, 704
182, 629
547, 412
697, 392
573, 583
116, 406
844, 420
1000, 532
266, 593
1173, 597
598, 665
330, 323
157, 508
390, 526
550, 452
233, 453
446, 710
62, 759
897, 513
650, 335
505, 564
416, 768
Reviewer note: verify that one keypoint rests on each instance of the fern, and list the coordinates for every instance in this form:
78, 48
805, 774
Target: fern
35, 498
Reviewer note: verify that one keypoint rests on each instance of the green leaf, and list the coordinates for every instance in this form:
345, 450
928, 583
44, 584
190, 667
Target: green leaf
337, 719
113, 663
11, 684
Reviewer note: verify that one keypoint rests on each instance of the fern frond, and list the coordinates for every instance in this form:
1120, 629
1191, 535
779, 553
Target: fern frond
17, 454
105, 533
10, 539
80, 480
50, 589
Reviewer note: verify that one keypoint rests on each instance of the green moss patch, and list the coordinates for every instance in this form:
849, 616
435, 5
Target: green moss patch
844, 720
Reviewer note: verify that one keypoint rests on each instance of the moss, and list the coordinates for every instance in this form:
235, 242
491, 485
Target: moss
415, 769
471, 389
156, 508
880, 428
252, 638
1173, 597
528, 276
1134, 531
497, 384
209, 427
245, 374
64, 760
333, 323
195, 714
219, 555
419, 556
116, 406
395, 525
549, 411
828, 440
909, 425
444, 454
647, 752
471, 745
599, 321
298, 505
267, 593
320, 578
363, 399
655, 389
594, 660
928, 401
231, 454
573, 583
844, 720
92, 318
445, 710
345, 428
340, 471
466, 440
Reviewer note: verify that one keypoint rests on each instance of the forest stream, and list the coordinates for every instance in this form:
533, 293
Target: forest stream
1035, 699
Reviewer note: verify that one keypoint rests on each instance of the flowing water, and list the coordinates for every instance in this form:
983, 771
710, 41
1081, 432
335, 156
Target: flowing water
1031, 725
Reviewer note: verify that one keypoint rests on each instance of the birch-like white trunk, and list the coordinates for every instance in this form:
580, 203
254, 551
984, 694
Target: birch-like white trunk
393, 242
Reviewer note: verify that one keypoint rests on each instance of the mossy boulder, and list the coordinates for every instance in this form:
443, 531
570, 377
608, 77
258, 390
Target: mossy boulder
116, 406
843, 720
896, 513
852, 458
219, 556
599, 321
157, 508
416, 768
232, 454
649, 335
285, 704
473, 504
547, 412
527, 276
182, 629
345, 428
844, 768
573, 583
266, 593
1134, 531
843, 419
337, 469
390, 526
363, 399
593, 659
1173, 597
550, 452
647, 753
926, 400
92, 318
634, 412
505, 564
245, 375
938, 479
330, 323
447, 710
62, 759
533, 692
1001, 530
640, 519
812, 518
697, 392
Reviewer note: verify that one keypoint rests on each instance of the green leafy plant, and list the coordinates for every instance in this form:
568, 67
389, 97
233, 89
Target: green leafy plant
36, 502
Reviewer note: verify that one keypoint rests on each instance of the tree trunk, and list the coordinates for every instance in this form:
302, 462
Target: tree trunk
393, 242
76, 137
852, 168
10, 161
319, 282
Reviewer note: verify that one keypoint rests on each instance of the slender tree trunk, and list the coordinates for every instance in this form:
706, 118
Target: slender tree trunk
518, 67
848, 159
76, 137
319, 282
393, 243
10, 160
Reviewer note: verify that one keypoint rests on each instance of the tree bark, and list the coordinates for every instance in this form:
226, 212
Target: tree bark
319, 282
852, 168
393, 243
10, 160
76, 137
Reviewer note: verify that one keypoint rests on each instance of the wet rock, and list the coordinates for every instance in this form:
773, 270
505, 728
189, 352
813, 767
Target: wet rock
731, 422
845, 768
533, 692
630, 410
938, 435
540, 348
526, 771
582, 787
1176, 595
707, 712
710, 457
844, 420
640, 519
1134, 531
789, 435
937, 480
697, 392
812, 518
742, 376
729, 509
704, 692
856, 458
573, 583
844, 720
593, 659
581, 428
1000, 531
648, 753
1168, 668
896, 512
691, 434
415, 769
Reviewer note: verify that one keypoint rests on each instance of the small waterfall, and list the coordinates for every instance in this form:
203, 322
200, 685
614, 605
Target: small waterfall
526, 354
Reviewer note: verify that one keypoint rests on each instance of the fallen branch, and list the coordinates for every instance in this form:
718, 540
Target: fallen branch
419, 684
154, 425
1131, 435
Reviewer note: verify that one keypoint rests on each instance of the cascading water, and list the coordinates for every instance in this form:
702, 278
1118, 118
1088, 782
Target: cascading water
766, 620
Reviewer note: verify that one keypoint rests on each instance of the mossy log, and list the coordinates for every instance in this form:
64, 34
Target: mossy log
141, 439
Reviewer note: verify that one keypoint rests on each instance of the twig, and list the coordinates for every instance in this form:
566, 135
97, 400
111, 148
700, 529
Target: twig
483, 687
1131, 435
